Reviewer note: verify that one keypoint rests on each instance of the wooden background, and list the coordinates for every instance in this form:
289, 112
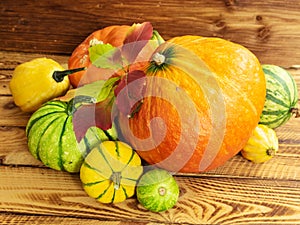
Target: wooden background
269, 28
239, 192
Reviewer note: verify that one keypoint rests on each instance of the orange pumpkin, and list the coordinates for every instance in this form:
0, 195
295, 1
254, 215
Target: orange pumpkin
113, 35
203, 98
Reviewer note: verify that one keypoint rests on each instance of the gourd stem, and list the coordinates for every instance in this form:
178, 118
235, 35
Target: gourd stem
295, 111
77, 101
162, 191
116, 179
271, 152
58, 76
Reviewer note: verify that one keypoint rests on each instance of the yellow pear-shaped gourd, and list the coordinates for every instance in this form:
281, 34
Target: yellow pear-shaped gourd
34, 83
262, 145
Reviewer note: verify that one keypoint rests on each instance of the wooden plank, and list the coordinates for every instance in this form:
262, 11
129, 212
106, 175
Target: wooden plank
17, 219
10, 59
11, 115
296, 75
202, 200
14, 150
4, 88
285, 165
268, 28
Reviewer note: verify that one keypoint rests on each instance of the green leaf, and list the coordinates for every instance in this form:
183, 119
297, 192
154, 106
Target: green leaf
92, 89
106, 56
95, 51
107, 88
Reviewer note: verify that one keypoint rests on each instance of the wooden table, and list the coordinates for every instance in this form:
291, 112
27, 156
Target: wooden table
240, 192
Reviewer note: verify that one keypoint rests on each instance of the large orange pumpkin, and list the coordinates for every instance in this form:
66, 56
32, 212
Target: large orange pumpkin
113, 35
203, 99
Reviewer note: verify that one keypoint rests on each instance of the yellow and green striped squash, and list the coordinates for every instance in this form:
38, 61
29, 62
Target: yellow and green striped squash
110, 172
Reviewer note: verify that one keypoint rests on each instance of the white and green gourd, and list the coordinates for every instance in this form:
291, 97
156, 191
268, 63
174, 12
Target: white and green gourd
51, 138
281, 98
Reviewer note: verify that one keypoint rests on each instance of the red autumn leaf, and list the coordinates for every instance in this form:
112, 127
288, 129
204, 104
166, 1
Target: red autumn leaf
135, 41
89, 115
130, 91
103, 115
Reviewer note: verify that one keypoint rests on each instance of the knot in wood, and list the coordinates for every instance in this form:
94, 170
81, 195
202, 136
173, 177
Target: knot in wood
264, 33
230, 3
10, 105
258, 18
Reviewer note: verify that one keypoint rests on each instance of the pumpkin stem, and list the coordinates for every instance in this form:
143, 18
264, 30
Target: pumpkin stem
296, 112
58, 76
158, 58
116, 179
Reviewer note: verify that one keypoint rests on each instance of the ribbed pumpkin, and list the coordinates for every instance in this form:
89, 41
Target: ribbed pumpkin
113, 35
110, 172
51, 137
203, 98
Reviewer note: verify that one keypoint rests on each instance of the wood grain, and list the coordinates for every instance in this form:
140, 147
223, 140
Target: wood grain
13, 219
268, 28
11, 115
203, 200
14, 150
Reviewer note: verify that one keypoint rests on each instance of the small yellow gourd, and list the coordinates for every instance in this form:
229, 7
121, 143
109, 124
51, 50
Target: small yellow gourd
262, 145
38, 81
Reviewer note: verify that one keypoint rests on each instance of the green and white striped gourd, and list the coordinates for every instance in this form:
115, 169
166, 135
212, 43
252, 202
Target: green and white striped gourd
281, 98
51, 138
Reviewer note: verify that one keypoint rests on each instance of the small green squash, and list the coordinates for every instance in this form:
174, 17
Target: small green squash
51, 138
157, 190
281, 99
